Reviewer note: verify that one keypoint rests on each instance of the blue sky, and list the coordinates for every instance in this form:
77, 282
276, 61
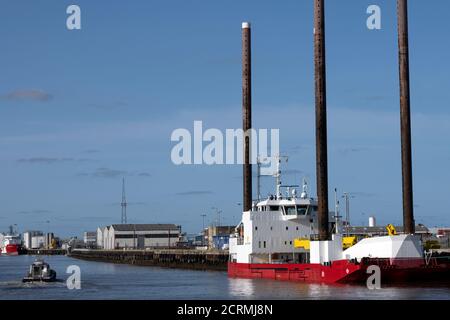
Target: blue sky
80, 109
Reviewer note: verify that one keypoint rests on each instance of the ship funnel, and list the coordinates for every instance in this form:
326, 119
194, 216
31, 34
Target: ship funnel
321, 119
247, 113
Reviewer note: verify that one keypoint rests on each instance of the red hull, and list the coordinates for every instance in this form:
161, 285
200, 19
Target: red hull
11, 250
343, 271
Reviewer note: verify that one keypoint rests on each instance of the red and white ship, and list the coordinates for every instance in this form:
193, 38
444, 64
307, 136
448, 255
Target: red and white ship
263, 247
11, 245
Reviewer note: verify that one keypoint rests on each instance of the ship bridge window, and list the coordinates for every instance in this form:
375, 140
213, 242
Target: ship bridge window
274, 208
290, 210
302, 210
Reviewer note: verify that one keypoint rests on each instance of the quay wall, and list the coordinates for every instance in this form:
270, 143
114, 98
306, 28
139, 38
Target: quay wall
170, 258
44, 252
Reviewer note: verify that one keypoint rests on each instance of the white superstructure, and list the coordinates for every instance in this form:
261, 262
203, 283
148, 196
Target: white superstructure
266, 233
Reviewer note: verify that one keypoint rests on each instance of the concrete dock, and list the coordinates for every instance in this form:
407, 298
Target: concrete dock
171, 258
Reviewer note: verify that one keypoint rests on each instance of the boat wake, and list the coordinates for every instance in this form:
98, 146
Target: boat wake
11, 285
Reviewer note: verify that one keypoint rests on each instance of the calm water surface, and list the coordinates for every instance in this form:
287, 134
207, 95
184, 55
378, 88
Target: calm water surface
112, 281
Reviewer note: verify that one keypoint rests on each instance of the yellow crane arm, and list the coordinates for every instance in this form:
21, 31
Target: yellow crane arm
391, 230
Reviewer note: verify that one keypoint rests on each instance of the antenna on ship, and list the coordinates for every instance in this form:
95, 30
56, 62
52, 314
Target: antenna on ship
304, 193
277, 174
336, 211
123, 204
258, 178
278, 177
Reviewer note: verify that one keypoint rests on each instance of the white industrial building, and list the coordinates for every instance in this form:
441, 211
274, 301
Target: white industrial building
38, 241
139, 236
101, 232
102, 238
90, 239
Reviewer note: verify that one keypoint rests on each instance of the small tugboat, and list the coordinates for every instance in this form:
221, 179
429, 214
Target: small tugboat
40, 272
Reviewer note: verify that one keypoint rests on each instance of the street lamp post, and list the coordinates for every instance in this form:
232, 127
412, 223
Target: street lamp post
203, 215
347, 197
218, 217
218, 212
134, 236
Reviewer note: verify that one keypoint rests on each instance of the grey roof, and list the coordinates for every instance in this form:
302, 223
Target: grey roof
382, 229
144, 227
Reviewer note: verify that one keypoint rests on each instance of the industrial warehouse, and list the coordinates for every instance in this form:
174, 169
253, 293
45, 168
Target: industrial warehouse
138, 236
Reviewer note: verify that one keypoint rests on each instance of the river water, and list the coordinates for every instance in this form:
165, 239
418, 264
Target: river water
114, 281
